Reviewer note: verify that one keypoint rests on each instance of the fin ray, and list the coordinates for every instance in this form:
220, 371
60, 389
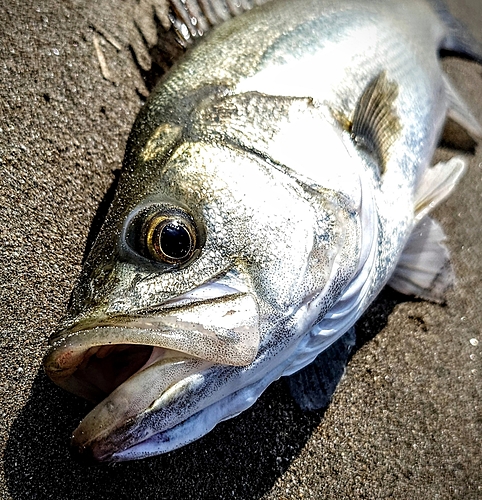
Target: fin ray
191, 19
375, 122
424, 268
457, 39
312, 387
459, 111
436, 185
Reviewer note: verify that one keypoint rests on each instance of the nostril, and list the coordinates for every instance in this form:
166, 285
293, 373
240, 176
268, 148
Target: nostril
101, 279
93, 286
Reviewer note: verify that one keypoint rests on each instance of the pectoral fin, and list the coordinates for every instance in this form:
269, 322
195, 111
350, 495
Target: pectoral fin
424, 268
376, 124
312, 387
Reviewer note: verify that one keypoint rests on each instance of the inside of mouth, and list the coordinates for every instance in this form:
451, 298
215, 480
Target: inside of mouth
106, 367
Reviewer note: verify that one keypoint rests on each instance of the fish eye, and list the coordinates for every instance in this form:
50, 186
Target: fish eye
170, 237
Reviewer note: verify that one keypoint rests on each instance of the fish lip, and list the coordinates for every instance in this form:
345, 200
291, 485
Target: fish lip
86, 321
109, 448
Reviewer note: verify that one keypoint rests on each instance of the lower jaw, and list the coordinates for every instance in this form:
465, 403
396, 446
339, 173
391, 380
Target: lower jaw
121, 419
240, 393
179, 435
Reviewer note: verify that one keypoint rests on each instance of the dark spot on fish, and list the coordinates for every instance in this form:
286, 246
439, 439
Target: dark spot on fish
46, 97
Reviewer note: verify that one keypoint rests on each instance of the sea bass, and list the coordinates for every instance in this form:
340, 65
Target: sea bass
276, 179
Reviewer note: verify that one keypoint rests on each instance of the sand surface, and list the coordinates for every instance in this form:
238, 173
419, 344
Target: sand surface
406, 421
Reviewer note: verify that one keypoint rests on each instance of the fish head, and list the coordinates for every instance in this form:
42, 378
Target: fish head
213, 262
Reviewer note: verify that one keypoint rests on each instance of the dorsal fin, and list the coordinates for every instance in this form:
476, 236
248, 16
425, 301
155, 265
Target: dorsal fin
459, 111
375, 123
191, 19
458, 39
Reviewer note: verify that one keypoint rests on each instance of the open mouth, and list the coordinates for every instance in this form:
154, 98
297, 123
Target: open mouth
132, 366
104, 368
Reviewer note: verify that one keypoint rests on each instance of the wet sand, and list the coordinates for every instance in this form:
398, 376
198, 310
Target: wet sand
406, 420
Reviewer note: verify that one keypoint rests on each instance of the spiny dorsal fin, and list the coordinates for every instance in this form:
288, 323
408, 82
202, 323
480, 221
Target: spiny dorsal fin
193, 18
375, 123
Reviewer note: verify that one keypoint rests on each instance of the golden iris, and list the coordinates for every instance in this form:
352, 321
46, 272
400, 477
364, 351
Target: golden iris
170, 238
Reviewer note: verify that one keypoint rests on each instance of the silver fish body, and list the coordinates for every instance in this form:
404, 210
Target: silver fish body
270, 186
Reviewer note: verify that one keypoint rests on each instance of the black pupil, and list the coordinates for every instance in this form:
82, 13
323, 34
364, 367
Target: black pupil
175, 241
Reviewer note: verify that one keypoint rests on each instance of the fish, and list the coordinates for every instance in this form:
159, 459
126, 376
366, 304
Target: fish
277, 178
